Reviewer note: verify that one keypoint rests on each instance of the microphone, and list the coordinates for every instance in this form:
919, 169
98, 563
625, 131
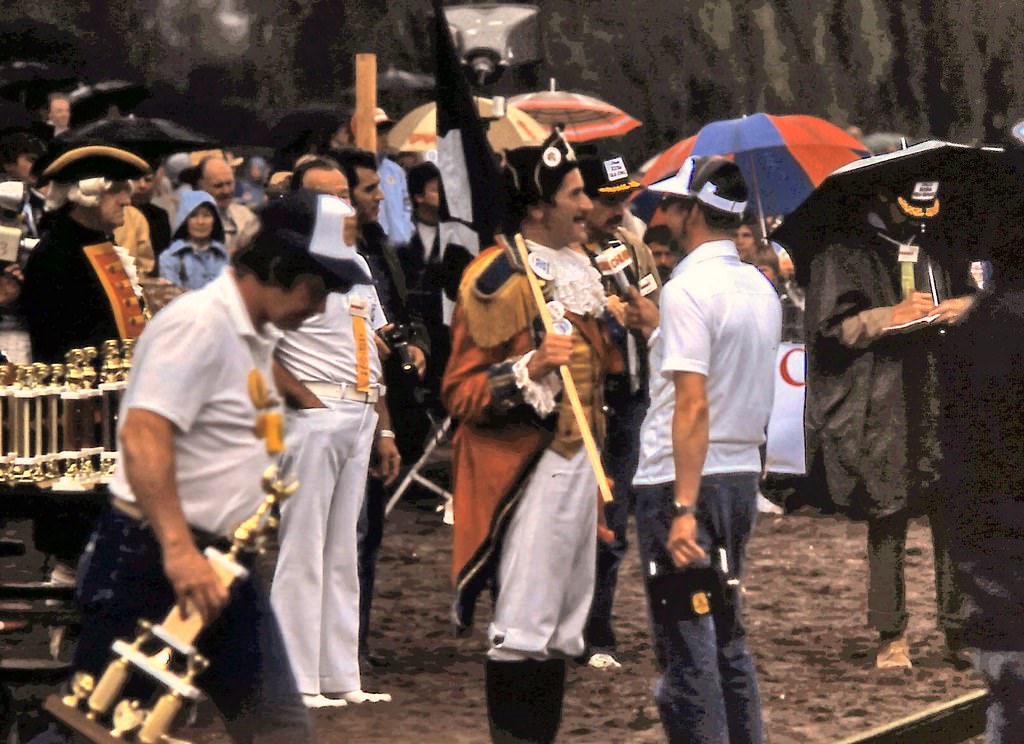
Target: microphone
612, 262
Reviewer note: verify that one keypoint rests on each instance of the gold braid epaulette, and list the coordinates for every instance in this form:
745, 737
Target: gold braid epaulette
498, 309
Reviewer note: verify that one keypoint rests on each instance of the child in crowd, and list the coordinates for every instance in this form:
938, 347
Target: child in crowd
197, 254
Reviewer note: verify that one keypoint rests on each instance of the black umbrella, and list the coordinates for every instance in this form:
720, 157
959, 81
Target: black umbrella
92, 102
150, 139
14, 116
29, 82
394, 79
305, 129
980, 203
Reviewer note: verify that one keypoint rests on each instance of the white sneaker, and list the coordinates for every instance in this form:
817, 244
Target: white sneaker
319, 701
358, 697
764, 506
603, 661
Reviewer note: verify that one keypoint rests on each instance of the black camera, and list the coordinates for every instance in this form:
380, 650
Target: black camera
397, 338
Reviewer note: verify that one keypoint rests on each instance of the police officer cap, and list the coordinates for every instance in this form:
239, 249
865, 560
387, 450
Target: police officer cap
713, 181
307, 224
95, 161
537, 171
606, 175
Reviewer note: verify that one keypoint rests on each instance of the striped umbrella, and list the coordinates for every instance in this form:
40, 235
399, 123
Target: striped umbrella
586, 118
783, 158
417, 130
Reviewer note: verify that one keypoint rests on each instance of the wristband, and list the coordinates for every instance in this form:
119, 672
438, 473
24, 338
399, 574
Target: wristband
385, 434
679, 510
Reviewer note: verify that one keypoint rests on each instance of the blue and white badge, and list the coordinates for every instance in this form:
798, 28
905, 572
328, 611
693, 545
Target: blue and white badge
562, 327
541, 267
556, 310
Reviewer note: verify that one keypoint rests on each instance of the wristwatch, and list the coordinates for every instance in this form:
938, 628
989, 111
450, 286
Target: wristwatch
679, 510
385, 434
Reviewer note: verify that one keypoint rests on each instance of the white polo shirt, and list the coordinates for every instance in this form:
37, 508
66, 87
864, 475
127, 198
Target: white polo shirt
722, 319
191, 366
323, 348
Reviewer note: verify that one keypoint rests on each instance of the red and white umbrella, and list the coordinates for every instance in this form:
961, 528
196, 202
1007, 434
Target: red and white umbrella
585, 117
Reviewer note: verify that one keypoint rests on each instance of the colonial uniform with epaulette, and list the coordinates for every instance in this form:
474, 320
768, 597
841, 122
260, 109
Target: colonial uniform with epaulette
524, 491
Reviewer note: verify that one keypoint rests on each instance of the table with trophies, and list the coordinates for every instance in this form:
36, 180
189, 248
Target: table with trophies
58, 426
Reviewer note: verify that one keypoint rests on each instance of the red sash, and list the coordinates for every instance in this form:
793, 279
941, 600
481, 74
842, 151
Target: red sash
118, 287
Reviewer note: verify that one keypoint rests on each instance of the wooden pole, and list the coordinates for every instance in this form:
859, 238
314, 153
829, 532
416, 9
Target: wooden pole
569, 386
366, 102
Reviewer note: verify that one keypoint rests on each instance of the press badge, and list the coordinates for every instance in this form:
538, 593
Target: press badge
908, 253
359, 306
647, 285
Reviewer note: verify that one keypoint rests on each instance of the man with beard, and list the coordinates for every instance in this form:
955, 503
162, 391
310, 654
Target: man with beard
606, 181
524, 491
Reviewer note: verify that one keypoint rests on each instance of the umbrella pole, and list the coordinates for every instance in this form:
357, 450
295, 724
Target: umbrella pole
760, 207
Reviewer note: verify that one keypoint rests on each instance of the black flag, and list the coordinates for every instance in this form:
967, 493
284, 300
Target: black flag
472, 205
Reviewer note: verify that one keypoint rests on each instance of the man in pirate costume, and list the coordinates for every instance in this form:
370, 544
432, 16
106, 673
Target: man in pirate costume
871, 411
192, 457
525, 491
606, 181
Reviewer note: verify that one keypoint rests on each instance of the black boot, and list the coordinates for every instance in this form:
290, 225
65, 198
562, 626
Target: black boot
524, 700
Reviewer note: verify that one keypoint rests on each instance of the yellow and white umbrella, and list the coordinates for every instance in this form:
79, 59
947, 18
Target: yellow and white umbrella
417, 131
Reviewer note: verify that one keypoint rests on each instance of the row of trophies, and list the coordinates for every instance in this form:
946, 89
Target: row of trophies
58, 422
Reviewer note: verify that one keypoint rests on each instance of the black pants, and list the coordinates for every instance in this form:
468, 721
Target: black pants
249, 679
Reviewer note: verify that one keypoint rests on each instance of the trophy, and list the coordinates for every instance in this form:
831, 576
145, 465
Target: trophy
70, 445
90, 420
6, 421
27, 464
111, 389
164, 653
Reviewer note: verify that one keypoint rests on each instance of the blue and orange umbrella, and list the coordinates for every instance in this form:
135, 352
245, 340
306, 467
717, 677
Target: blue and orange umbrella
783, 158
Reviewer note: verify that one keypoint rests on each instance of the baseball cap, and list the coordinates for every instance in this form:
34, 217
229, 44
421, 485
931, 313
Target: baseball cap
606, 175
712, 180
310, 224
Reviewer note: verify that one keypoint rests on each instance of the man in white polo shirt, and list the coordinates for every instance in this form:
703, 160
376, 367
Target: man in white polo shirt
191, 469
711, 359
329, 371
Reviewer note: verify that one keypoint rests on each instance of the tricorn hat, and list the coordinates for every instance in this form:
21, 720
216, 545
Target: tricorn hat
95, 161
537, 171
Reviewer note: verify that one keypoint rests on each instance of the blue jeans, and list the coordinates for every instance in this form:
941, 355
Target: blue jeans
1004, 675
121, 580
708, 689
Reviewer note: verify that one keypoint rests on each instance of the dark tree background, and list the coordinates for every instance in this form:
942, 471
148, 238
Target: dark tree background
948, 68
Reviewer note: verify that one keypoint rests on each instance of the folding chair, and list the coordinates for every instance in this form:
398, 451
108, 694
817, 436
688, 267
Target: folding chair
437, 437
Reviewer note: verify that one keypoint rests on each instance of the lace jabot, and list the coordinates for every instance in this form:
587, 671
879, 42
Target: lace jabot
577, 284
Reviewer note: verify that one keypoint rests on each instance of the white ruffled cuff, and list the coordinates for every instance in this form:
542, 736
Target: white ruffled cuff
539, 394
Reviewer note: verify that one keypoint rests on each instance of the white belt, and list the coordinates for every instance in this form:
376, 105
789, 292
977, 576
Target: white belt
345, 391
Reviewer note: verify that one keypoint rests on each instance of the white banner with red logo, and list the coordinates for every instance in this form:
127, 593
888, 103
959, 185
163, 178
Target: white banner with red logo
786, 426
